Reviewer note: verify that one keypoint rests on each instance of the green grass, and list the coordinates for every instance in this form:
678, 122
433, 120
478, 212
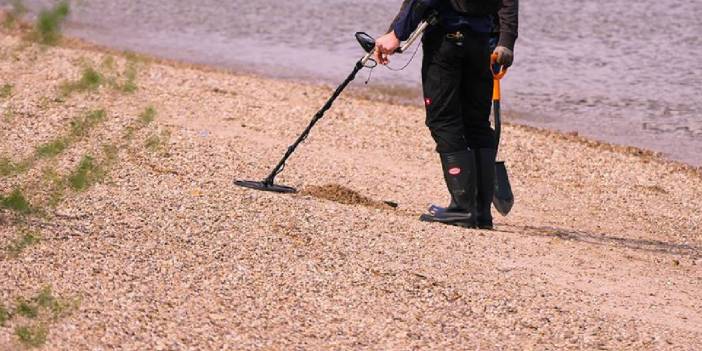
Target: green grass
111, 154
9, 167
45, 298
86, 174
89, 171
108, 63
48, 27
6, 91
13, 16
128, 77
16, 202
131, 75
52, 148
156, 142
27, 309
56, 306
79, 128
90, 80
26, 240
50, 176
44, 309
129, 87
4, 315
9, 114
32, 336
145, 118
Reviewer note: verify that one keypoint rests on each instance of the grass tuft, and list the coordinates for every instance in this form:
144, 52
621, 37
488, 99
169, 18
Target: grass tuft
45, 298
130, 74
111, 154
27, 309
81, 126
86, 174
44, 309
8, 167
32, 336
4, 315
52, 148
9, 114
26, 240
108, 63
156, 142
16, 202
58, 186
48, 27
147, 116
15, 14
6, 91
48, 301
90, 80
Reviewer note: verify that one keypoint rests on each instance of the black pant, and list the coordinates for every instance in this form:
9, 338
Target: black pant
458, 90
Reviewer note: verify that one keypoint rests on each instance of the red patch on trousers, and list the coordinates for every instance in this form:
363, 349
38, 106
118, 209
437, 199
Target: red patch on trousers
427, 101
455, 171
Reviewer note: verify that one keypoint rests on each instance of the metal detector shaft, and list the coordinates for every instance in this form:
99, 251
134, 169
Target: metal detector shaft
415, 35
359, 66
291, 149
268, 184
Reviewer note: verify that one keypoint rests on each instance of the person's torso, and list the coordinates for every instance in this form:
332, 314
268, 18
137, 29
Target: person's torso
474, 15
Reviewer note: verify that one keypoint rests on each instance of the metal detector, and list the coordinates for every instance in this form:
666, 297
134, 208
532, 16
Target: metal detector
368, 44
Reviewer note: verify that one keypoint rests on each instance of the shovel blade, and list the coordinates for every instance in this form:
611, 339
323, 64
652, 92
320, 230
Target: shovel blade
504, 198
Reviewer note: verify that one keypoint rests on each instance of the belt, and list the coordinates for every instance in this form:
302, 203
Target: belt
457, 36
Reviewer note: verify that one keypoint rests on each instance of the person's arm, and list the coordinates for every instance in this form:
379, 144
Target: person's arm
411, 14
402, 11
508, 25
508, 16
407, 20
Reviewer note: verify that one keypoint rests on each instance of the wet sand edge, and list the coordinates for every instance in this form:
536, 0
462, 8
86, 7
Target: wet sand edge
392, 95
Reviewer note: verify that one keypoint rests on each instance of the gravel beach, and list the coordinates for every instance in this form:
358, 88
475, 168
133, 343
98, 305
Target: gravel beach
157, 250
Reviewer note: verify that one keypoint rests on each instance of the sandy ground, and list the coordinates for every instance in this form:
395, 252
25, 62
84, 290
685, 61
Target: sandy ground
603, 249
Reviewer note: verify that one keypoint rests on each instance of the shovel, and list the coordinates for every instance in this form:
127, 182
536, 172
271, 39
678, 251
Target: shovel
504, 198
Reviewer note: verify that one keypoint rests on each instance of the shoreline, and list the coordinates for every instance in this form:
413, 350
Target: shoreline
385, 94
402, 98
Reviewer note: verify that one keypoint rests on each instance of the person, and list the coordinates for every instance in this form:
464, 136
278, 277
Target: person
457, 84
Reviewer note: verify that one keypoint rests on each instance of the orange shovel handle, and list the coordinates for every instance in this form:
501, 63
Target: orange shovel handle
503, 70
496, 90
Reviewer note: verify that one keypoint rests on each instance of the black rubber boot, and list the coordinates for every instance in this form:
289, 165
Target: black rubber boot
485, 166
459, 173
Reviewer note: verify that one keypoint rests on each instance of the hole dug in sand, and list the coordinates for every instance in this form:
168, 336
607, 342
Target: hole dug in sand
346, 196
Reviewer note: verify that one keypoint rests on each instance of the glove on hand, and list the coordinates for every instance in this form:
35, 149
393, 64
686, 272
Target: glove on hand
505, 56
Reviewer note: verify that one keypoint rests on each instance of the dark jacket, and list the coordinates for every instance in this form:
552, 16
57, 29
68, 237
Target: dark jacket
505, 22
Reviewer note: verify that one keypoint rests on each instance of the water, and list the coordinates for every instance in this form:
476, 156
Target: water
619, 71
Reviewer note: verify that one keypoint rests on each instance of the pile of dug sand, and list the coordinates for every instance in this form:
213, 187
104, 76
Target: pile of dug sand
121, 227
344, 195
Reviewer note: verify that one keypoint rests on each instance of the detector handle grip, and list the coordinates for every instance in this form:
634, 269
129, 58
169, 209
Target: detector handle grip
431, 20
